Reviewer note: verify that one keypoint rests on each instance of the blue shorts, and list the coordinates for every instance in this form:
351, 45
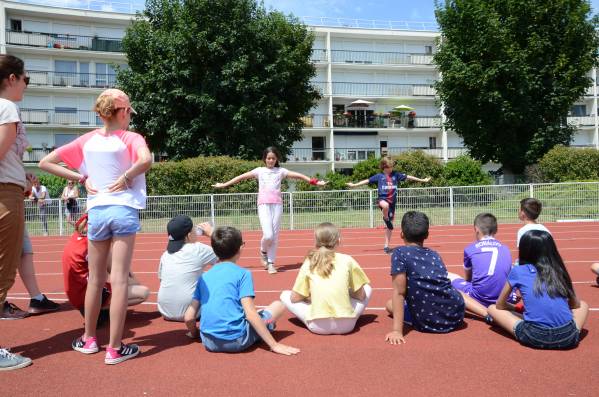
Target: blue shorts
107, 221
534, 335
214, 344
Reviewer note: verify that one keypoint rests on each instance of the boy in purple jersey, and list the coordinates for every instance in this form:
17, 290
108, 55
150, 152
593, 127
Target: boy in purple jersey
487, 264
387, 182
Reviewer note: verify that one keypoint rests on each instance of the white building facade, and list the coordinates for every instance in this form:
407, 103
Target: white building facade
376, 83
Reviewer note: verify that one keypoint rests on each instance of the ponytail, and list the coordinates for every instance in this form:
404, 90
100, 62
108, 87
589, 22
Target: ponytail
321, 261
323, 256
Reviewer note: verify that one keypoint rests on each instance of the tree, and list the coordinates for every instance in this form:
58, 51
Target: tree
212, 77
510, 72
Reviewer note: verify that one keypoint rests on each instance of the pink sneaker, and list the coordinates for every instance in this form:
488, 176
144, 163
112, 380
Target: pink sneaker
124, 353
89, 346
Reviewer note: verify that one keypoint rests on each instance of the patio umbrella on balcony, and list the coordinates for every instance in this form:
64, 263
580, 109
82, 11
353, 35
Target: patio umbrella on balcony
360, 104
402, 108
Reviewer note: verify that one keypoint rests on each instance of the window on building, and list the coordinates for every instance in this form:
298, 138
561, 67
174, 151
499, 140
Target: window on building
578, 110
105, 75
318, 148
432, 142
428, 49
16, 25
63, 139
65, 73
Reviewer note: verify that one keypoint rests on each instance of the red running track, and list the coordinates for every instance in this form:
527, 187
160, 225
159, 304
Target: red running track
475, 360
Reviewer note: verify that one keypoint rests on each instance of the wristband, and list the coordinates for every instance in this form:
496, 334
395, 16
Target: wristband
313, 181
82, 179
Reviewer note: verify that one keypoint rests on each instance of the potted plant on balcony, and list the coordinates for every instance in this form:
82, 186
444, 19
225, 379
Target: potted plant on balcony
411, 119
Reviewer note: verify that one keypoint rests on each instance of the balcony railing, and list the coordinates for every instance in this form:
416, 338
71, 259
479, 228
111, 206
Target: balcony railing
67, 79
380, 58
64, 41
34, 155
370, 121
308, 154
60, 117
375, 89
349, 155
581, 120
319, 55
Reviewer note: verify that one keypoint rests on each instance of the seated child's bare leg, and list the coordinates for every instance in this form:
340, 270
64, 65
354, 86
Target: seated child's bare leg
27, 274
474, 306
504, 318
276, 308
137, 294
580, 314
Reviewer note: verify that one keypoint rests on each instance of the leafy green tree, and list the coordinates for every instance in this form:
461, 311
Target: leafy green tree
465, 171
217, 77
511, 70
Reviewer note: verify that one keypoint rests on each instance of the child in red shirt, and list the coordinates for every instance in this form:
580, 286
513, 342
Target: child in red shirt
76, 271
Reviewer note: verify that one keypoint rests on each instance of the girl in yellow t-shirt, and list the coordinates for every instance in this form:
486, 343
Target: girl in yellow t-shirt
331, 290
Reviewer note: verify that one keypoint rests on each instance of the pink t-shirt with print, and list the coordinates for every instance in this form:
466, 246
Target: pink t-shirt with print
104, 158
269, 184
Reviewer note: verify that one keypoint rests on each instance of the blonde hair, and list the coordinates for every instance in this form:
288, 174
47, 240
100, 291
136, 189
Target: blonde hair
81, 226
321, 258
386, 162
105, 107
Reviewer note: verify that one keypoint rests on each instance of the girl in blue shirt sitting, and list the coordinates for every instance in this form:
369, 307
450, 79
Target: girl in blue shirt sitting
553, 315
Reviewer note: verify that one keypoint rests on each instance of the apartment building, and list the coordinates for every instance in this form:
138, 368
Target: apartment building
376, 81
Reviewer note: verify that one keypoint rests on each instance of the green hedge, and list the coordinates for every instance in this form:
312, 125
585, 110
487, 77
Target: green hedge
567, 164
54, 184
197, 175
465, 171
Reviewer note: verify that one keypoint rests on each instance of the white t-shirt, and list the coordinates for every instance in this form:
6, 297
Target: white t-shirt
529, 227
38, 193
104, 158
179, 274
269, 184
11, 165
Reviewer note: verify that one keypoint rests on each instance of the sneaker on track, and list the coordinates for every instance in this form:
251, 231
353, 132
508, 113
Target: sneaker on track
11, 312
124, 353
264, 259
387, 250
10, 361
271, 268
90, 346
43, 306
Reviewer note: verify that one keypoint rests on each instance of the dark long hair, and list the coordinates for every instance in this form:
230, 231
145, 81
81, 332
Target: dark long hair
538, 249
273, 150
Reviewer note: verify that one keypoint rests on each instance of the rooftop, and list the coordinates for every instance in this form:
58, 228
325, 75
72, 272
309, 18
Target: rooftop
132, 6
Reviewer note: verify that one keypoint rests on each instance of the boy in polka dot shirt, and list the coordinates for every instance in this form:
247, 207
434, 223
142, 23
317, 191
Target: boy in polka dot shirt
422, 294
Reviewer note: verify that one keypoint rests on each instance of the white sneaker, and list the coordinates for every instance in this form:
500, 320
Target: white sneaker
10, 361
271, 268
264, 259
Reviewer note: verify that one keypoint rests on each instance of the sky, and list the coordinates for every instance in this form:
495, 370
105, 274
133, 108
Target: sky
388, 10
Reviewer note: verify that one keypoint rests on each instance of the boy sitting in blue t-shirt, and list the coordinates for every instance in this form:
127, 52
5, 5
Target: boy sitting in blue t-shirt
229, 321
422, 294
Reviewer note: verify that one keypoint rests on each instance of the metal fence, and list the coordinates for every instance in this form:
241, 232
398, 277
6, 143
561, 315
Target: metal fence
350, 208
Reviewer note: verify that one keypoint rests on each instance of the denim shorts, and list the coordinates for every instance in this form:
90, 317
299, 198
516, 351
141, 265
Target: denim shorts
534, 335
107, 221
214, 344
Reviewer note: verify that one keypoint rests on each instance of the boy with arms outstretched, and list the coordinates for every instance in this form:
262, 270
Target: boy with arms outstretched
229, 321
